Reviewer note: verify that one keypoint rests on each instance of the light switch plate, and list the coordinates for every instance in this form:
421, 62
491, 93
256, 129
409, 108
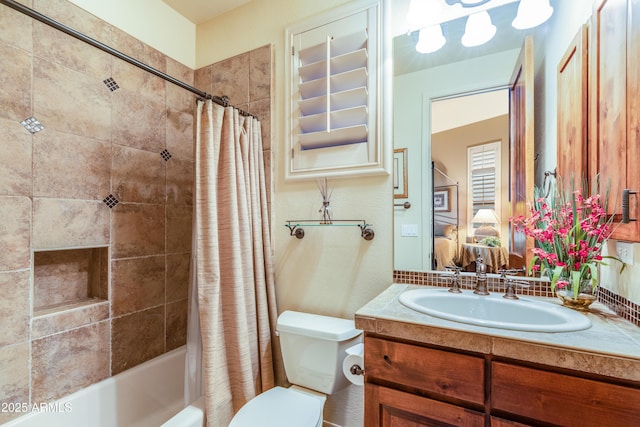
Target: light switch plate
624, 251
409, 230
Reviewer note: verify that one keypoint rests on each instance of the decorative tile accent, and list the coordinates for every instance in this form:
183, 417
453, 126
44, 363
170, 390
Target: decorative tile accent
111, 84
621, 306
32, 125
165, 155
110, 201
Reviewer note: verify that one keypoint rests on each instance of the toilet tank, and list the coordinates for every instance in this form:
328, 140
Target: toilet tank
314, 347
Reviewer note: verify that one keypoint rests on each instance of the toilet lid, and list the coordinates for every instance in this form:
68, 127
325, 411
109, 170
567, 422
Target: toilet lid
279, 407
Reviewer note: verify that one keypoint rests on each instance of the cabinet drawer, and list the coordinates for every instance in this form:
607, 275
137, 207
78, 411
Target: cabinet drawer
386, 407
444, 373
562, 399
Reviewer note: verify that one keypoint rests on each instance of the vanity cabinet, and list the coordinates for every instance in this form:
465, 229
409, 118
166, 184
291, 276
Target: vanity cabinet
409, 384
614, 104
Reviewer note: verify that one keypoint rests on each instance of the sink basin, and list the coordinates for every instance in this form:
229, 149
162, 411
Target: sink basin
494, 311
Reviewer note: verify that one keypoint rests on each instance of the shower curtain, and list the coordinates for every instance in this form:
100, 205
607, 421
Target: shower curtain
232, 274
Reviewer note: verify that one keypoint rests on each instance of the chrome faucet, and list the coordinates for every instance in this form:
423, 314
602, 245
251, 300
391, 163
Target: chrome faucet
481, 277
455, 279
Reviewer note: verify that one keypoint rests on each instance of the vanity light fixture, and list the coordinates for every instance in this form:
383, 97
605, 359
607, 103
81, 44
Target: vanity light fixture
430, 39
532, 13
479, 29
423, 13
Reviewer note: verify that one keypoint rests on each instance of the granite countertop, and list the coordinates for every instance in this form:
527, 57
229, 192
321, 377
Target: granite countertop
610, 347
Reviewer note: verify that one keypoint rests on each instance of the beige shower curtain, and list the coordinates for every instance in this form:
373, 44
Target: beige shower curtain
233, 264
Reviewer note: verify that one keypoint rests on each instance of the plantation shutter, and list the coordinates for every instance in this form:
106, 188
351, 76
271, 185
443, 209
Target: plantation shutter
333, 95
483, 170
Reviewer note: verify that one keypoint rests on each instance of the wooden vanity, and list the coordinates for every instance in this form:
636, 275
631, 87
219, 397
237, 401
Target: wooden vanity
425, 371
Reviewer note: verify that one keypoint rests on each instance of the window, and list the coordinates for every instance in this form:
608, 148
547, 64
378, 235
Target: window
484, 179
333, 93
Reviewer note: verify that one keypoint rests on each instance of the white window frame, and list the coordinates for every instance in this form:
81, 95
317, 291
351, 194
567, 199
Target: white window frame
495, 147
368, 157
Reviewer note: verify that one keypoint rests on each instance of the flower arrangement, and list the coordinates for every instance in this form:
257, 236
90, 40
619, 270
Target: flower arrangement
570, 229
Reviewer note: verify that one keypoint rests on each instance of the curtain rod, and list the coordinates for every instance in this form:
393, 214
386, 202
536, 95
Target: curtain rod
223, 101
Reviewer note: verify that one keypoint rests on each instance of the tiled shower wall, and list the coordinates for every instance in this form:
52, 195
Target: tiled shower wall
134, 143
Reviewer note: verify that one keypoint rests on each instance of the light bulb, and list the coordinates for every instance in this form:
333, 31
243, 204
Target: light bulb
479, 29
430, 39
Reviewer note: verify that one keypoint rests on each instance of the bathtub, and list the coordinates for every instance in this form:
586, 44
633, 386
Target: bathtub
146, 395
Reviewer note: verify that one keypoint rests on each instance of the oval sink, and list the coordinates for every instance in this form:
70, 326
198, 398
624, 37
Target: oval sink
494, 311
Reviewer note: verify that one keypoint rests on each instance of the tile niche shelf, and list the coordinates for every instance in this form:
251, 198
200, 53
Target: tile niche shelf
296, 229
68, 279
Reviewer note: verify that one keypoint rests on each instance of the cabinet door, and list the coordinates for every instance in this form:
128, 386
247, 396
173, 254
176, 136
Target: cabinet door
631, 231
559, 399
388, 407
614, 104
430, 371
572, 110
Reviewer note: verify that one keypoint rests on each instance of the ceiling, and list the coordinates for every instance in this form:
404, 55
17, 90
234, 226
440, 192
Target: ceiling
405, 58
199, 11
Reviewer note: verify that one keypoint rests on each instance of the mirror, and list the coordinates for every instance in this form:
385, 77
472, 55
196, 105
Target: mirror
440, 196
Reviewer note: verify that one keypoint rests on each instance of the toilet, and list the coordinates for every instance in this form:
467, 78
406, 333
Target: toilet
313, 349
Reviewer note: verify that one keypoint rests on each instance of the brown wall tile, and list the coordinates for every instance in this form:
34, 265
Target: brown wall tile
15, 233
136, 338
180, 137
53, 322
138, 175
137, 283
75, 17
15, 28
231, 78
179, 228
177, 276
60, 223
15, 96
66, 362
15, 174
14, 381
60, 48
68, 166
138, 122
70, 101
202, 79
260, 73
14, 306
179, 182
138, 230
176, 324
179, 99
133, 47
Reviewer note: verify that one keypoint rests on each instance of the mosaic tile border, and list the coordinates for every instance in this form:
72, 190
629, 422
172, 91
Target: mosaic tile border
624, 308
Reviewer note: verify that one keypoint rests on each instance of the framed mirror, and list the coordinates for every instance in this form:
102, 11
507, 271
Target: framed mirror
453, 72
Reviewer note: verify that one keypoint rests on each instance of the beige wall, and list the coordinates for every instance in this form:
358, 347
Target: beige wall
54, 338
150, 21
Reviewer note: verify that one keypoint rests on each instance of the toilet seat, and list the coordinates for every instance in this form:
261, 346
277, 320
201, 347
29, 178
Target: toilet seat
280, 407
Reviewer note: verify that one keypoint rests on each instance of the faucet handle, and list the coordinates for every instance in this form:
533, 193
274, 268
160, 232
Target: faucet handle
455, 278
511, 271
511, 284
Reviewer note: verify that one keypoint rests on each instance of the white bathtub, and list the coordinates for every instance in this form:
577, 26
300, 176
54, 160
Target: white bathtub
146, 395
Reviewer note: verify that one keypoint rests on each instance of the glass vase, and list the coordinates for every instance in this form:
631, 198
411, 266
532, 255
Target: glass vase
585, 297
